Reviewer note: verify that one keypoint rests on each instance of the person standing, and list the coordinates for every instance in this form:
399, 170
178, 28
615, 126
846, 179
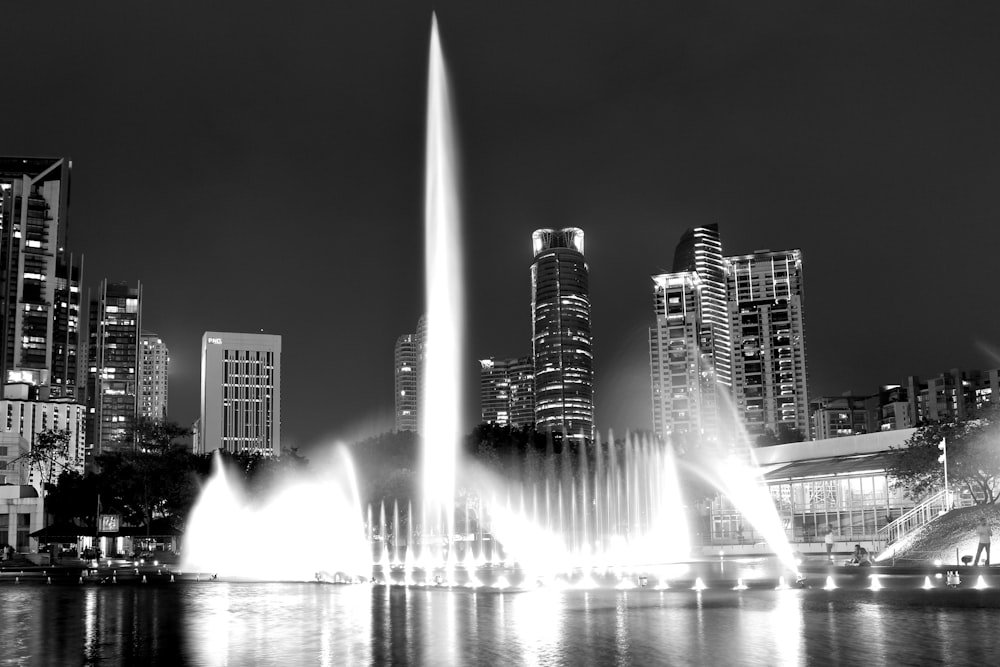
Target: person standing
829, 543
984, 533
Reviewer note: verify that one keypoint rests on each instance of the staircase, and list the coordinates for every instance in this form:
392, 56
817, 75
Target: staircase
918, 517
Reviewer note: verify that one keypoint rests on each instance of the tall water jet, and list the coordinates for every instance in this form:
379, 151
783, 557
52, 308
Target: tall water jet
441, 393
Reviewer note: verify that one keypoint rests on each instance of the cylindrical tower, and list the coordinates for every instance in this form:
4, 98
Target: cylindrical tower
561, 341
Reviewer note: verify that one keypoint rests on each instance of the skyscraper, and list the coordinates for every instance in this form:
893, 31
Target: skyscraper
407, 382
113, 365
408, 365
39, 278
683, 384
690, 357
561, 342
700, 251
727, 353
240, 393
765, 298
507, 391
154, 366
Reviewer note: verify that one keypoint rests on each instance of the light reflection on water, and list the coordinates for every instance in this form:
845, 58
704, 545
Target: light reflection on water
224, 623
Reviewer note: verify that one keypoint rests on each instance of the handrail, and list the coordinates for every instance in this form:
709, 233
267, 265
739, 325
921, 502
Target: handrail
921, 515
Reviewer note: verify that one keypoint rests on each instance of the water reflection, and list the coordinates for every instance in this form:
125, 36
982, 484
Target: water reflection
224, 623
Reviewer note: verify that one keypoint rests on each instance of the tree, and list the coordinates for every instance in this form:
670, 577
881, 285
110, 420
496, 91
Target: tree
48, 454
145, 434
156, 476
74, 496
973, 448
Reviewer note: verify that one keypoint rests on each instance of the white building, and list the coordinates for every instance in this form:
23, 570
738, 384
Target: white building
240, 393
22, 419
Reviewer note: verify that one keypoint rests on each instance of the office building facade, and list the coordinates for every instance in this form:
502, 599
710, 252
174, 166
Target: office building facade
507, 391
40, 297
240, 393
154, 367
113, 370
561, 340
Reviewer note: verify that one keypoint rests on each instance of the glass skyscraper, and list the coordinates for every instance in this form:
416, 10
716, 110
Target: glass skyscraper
561, 341
113, 355
39, 279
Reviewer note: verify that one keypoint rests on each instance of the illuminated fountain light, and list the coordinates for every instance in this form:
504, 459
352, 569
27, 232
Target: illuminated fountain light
782, 586
625, 585
876, 584
980, 583
223, 517
501, 583
699, 585
830, 585
585, 583
740, 586
928, 584
744, 486
443, 354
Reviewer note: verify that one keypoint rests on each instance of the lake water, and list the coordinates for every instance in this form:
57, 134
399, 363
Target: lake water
227, 623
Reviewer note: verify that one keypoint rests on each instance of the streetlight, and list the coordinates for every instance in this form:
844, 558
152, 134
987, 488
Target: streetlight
943, 446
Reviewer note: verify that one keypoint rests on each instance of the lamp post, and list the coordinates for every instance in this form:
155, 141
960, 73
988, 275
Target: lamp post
943, 446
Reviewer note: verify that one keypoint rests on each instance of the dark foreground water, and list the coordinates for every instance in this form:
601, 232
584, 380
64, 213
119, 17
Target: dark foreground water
225, 623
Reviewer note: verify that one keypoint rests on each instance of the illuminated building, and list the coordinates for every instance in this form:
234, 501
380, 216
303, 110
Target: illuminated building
840, 416
22, 418
407, 364
561, 342
765, 295
700, 251
154, 366
954, 395
407, 383
240, 393
113, 365
690, 355
39, 279
682, 381
507, 391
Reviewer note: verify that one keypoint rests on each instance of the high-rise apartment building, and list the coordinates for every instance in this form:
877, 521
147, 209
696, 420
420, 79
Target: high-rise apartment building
690, 346
561, 341
955, 395
407, 383
113, 356
154, 365
507, 391
408, 365
700, 251
727, 353
240, 393
765, 296
684, 400
39, 279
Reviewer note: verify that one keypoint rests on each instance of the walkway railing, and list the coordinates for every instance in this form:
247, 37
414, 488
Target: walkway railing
921, 515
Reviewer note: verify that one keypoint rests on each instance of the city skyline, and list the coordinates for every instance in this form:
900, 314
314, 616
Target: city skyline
250, 187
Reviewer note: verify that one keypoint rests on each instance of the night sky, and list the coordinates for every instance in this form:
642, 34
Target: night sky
258, 166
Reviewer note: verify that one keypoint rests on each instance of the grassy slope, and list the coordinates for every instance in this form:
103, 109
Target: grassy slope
956, 529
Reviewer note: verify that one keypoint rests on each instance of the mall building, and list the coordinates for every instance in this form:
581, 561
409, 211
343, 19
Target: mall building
840, 483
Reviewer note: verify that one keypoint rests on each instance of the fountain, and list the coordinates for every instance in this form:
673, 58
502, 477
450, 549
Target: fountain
613, 510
